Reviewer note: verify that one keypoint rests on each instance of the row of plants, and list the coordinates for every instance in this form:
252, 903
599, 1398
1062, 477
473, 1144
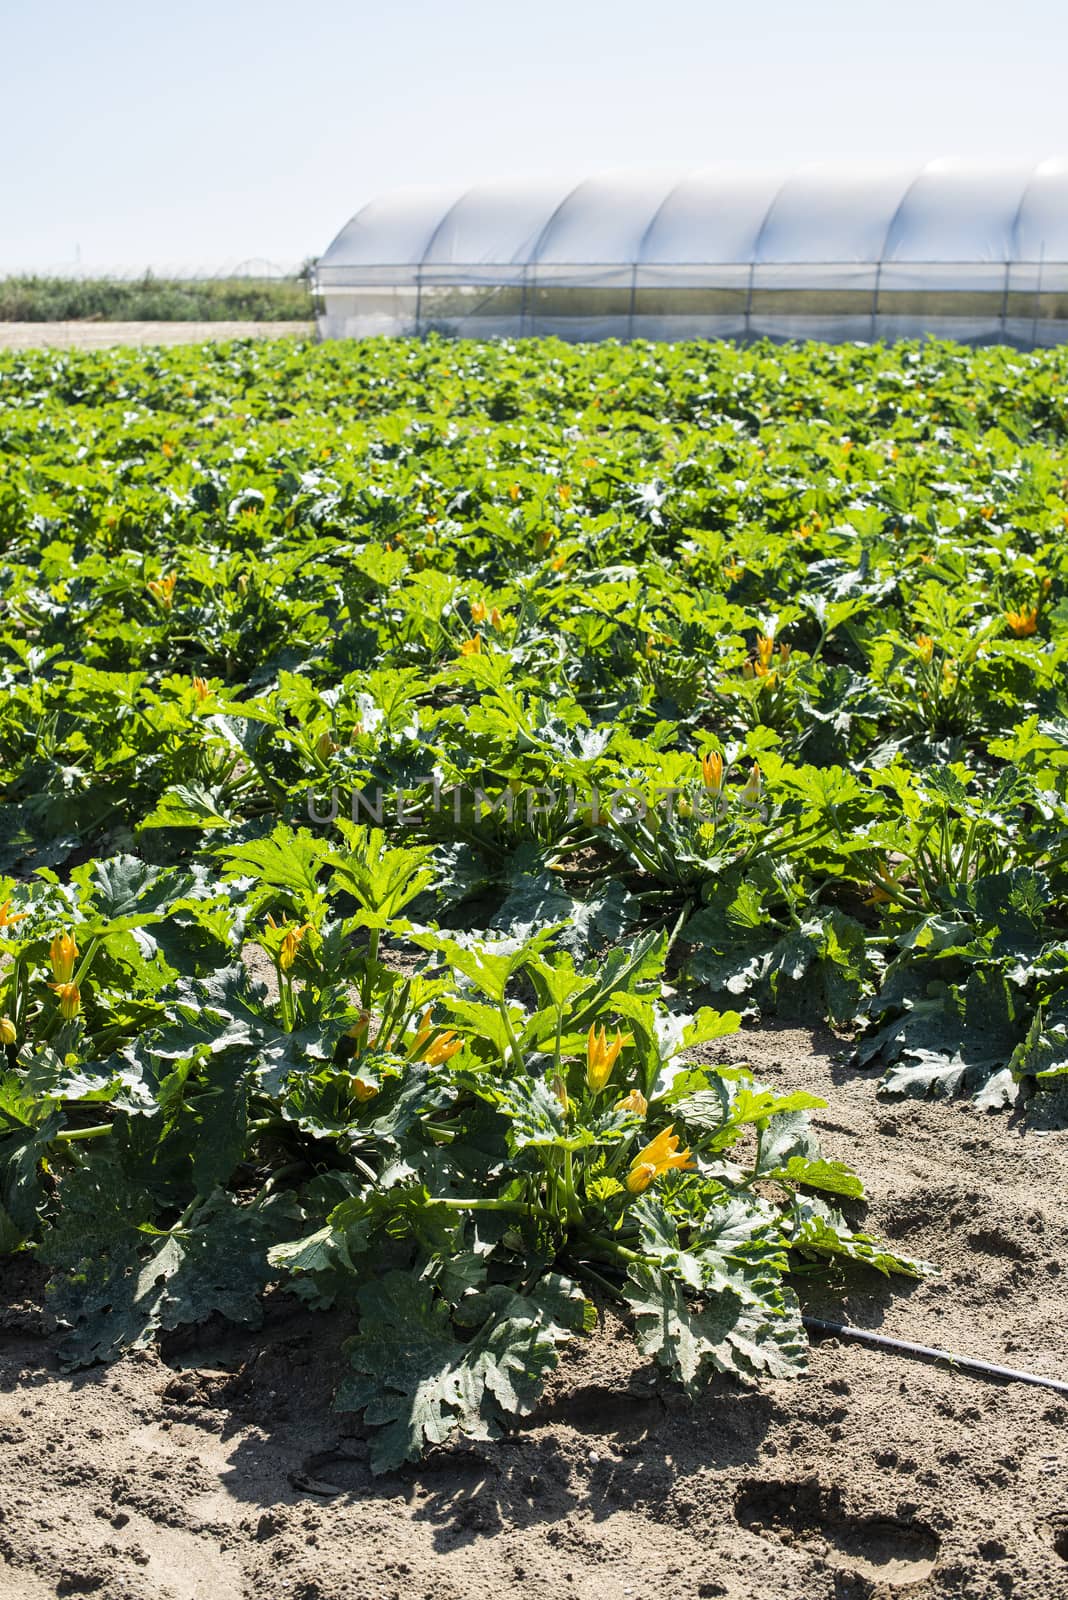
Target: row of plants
236, 576
459, 1159
529, 716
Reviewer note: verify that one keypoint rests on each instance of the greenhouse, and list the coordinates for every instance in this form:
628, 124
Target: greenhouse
978, 254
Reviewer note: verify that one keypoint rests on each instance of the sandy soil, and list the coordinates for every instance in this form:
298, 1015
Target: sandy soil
217, 1471
98, 335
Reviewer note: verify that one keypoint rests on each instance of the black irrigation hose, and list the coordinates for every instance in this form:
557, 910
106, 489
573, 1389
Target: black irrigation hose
983, 1369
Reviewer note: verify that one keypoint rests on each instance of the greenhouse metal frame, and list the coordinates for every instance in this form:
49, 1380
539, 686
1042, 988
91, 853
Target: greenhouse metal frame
949, 249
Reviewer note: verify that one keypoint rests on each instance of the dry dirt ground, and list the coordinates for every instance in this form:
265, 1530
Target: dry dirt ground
98, 335
217, 1471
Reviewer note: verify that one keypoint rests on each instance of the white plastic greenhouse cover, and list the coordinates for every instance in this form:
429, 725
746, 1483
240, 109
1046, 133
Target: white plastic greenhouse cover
951, 249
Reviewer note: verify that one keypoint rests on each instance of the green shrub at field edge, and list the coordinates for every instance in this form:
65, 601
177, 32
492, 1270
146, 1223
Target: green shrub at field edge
151, 299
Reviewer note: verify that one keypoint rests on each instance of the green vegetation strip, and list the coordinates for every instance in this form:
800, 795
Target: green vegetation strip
151, 299
526, 716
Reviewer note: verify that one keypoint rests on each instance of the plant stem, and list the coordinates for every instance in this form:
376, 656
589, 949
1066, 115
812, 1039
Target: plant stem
519, 1208
513, 1043
79, 976
69, 1135
367, 983
573, 1209
609, 1246
602, 1283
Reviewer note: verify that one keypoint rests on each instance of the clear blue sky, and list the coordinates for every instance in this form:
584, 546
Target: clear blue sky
204, 131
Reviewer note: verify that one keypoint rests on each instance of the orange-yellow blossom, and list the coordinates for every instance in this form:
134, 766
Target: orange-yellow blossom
1023, 622
925, 648
443, 1047
8, 918
63, 953
885, 888
472, 646
291, 940
601, 1053
634, 1101
291, 943
658, 1156
712, 773
751, 790
162, 590
69, 999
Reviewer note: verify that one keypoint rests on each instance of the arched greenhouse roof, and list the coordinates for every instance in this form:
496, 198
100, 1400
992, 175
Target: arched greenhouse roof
972, 252
944, 211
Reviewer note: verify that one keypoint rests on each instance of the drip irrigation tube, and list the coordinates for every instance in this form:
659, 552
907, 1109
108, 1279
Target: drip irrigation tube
926, 1352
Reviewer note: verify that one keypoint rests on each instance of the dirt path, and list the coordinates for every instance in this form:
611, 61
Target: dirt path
98, 335
220, 1473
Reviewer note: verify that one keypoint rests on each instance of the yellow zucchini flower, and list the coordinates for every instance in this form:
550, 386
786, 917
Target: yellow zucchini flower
64, 953
8, 918
751, 790
162, 590
712, 773
657, 1157
601, 1053
69, 999
442, 1049
1023, 622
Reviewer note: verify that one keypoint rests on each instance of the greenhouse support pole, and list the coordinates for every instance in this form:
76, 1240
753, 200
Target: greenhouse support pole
523, 303
1005, 303
875, 299
1038, 295
418, 299
749, 301
633, 298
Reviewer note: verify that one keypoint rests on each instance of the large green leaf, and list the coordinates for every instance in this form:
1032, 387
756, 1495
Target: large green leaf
722, 1332
417, 1382
119, 1297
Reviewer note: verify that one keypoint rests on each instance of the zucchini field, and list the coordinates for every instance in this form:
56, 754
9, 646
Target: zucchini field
434, 777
